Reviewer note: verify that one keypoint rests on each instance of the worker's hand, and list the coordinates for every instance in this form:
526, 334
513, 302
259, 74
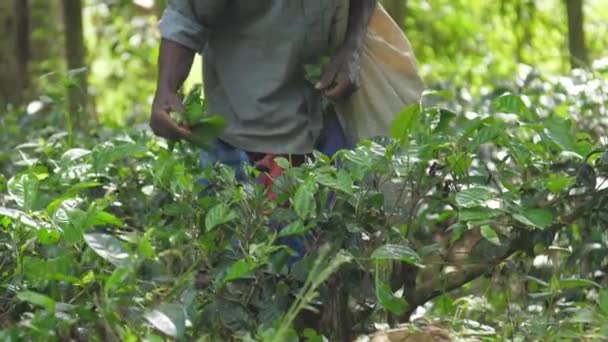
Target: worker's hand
341, 77
161, 122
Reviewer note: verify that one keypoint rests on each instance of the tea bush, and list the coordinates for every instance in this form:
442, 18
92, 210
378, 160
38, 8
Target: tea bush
486, 217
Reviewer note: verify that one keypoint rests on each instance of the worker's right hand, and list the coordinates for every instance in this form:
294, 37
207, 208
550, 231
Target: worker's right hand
340, 78
161, 122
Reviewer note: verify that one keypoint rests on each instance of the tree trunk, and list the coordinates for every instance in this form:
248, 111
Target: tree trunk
576, 34
336, 320
397, 9
47, 36
23, 39
14, 51
76, 61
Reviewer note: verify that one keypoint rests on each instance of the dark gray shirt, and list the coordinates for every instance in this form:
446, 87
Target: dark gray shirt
253, 66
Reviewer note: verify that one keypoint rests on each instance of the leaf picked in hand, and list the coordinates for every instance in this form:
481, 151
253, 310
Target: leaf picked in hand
206, 130
314, 72
194, 106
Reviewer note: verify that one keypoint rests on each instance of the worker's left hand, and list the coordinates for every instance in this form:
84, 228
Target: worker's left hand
341, 77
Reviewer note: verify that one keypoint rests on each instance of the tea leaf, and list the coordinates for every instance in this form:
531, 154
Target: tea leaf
509, 103
489, 234
477, 214
109, 248
575, 283
169, 318
218, 215
294, 228
604, 302
304, 202
239, 269
23, 189
405, 122
473, 197
388, 300
397, 252
538, 218
37, 299
206, 130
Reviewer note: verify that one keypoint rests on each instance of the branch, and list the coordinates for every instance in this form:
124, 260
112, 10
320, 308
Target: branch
523, 241
447, 283
463, 274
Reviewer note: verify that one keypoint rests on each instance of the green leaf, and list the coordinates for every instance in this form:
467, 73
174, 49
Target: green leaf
444, 304
557, 184
397, 252
489, 234
603, 302
145, 246
538, 281
76, 188
542, 295
23, 188
48, 236
512, 104
37, 299
105, 154
576, 283
109, 248
105, 218
233, 315
119, 281
169, 318
388, 300
314, 72
294, 228
559, 131
19, 216
71, 193
467, 128
345, 182
75, 154
283, 163
195, 112
218, 215
304, 202
312, 336
206, 130
583, 316
473, 197
477, 214
538, 218
342, 181
445, 117
239, 270
405, 121
194, 107
485, 135
460, 163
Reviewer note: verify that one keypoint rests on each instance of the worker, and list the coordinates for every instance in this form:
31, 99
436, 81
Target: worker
254, 53
254, 56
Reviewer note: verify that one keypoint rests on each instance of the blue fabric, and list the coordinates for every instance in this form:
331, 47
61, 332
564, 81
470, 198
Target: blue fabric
331, 141
227, 155
332, 137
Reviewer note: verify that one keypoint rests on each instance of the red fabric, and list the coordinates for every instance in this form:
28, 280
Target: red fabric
271, 170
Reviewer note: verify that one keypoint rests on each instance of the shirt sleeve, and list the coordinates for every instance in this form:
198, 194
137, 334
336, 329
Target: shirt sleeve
179, 24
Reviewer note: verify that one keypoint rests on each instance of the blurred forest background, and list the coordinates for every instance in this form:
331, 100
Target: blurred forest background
102, 53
